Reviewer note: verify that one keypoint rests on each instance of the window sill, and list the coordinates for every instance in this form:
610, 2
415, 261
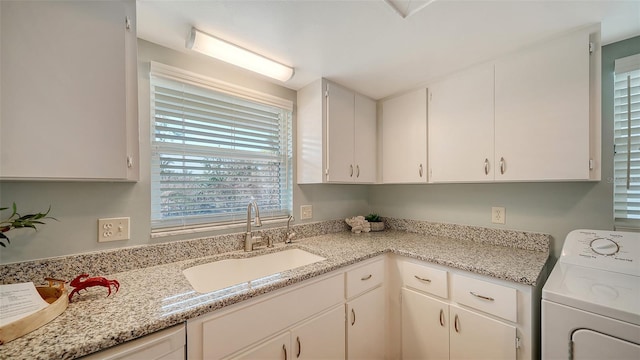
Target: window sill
196, 229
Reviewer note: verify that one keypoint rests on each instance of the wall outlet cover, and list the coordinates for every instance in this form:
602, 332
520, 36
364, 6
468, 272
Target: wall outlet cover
113, 229
498, 215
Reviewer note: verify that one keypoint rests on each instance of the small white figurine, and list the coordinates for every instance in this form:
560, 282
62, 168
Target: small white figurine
358, 224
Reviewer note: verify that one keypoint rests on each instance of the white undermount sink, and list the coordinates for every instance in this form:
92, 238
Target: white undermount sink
218, 275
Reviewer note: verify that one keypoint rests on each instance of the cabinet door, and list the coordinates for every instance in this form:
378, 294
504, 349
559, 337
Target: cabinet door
404, 138
365, 140
277, 348
320, 338
68, 87
475, 336
542, 112
461, 127
365, 326
425, 327
340, 134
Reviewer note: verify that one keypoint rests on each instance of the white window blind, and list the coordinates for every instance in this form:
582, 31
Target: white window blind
214, 152
627, 143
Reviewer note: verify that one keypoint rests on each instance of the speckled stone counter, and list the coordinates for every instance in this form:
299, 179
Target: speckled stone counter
156, 297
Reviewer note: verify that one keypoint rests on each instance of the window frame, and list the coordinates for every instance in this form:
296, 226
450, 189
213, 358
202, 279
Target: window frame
624, 174
162, 73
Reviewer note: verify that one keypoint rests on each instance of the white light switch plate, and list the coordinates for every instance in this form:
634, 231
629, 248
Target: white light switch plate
113, 229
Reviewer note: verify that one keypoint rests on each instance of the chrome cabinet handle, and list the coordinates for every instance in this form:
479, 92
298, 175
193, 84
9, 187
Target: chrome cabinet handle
422, 279
481, 296
353, 317
486, 166
284, 348
442, 317
357, 171
420, 170
366, 277
299, 346
456, 323
351, 174
503, 166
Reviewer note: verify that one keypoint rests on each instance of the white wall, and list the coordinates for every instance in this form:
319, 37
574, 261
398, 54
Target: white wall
78, 205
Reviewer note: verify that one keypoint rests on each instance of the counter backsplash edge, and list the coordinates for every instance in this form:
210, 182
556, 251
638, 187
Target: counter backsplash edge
128, 258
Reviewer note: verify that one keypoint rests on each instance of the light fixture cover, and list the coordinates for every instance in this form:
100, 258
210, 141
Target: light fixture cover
236, 55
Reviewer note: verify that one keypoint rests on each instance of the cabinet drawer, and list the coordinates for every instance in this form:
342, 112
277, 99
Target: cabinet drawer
364, 278
486, 296
425, 278
234, 330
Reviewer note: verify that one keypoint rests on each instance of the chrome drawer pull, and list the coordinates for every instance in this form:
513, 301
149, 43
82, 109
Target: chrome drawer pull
284, 348
353, 313
299, 346
481, 296
502, 166
486, 166
351, 174
422, 279
441, 317
456, 324
366, 277
357, 171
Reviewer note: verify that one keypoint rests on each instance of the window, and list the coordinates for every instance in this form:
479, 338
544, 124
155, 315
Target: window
627, 143
215, 148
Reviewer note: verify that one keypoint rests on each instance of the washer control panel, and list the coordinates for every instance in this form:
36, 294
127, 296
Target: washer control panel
608, 250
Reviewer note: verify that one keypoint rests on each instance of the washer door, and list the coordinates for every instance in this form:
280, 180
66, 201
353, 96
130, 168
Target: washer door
589, 344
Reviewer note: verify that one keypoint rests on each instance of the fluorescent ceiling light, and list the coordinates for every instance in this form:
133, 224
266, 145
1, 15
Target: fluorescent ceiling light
236, 55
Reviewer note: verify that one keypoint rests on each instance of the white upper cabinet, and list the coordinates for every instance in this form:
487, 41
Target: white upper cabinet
336, 135
461, 127
404, 138
69, 90
542, 111
529, 116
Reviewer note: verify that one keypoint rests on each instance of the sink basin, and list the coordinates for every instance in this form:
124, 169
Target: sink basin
218, 275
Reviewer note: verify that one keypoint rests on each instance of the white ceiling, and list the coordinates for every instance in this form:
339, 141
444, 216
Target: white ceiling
367, 46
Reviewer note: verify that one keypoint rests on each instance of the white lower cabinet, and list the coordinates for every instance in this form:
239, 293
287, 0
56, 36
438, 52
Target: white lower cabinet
274, 349
463, 316
425, 327
319, 338
475, 336
305, 321
434, 329
366, 326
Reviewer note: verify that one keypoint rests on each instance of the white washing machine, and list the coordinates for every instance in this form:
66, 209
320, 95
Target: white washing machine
591, 300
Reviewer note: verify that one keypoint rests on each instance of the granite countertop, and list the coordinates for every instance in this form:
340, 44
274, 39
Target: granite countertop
157, 297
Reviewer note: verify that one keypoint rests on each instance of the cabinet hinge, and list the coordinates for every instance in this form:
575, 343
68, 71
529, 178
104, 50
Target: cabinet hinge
326, 171
127, 23
517, 342
129, 161
592, 47
326, 93
590, 164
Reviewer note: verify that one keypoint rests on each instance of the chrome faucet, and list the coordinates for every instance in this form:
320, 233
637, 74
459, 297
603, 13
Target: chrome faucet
289, 234
249, 239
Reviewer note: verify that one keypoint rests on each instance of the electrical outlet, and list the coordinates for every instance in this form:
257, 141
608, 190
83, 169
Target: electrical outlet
498, 215
306, 212
113, 229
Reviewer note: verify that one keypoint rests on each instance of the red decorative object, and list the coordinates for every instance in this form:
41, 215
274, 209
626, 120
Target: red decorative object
78, 283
